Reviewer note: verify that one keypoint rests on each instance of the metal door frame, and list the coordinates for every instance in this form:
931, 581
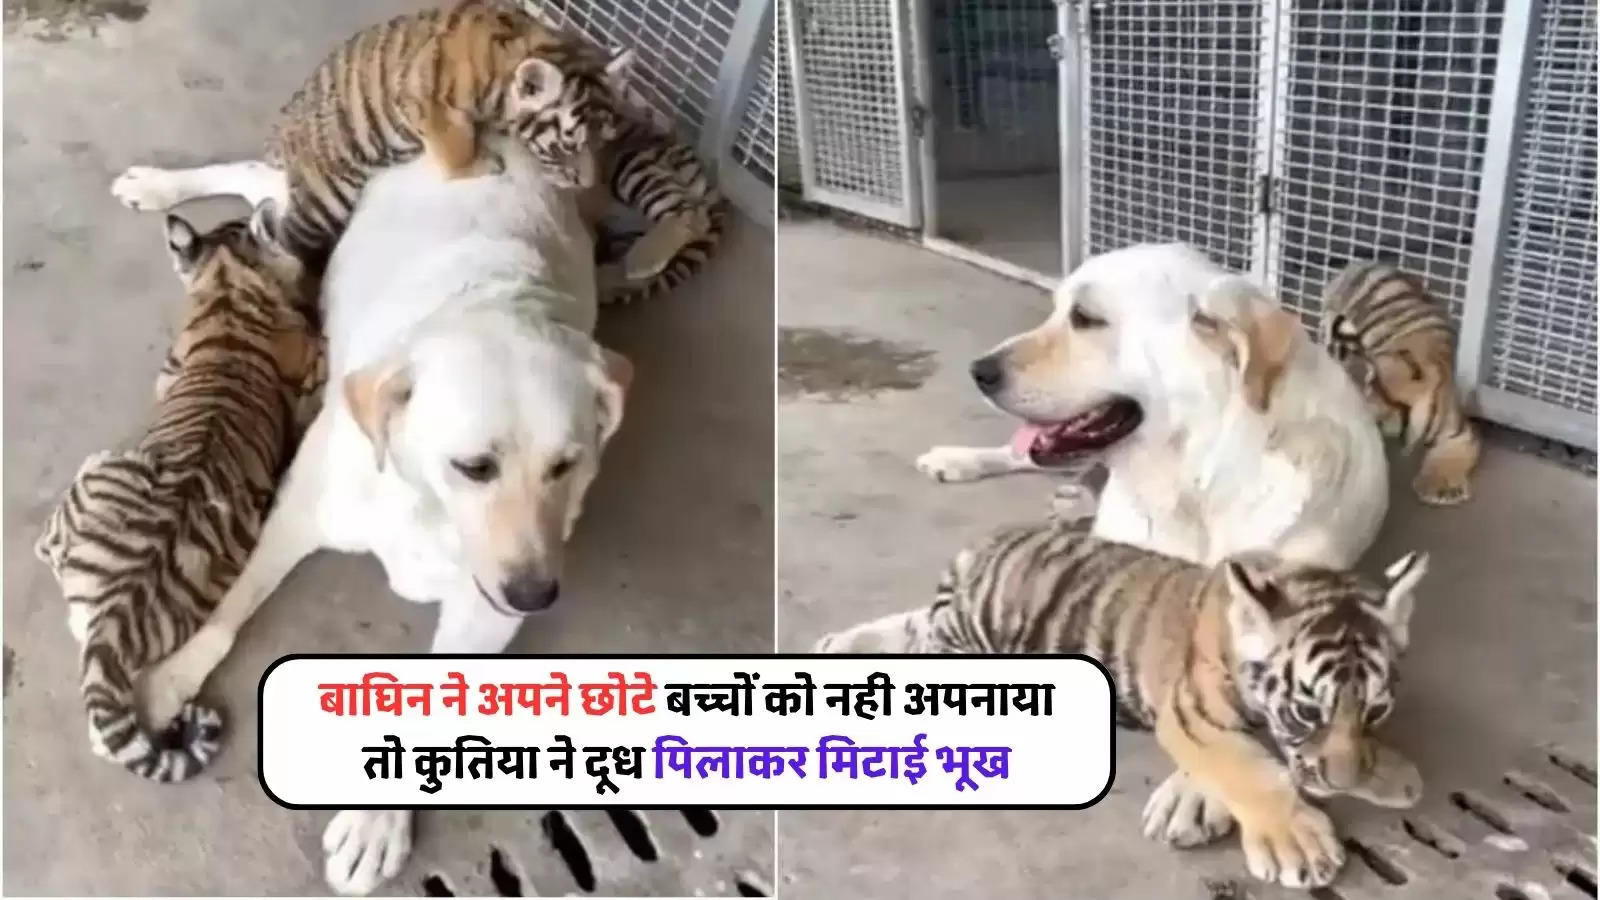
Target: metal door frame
908, 212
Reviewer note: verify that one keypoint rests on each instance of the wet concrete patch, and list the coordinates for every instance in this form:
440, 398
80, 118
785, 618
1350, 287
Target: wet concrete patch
840, 365
57, 20
7, 665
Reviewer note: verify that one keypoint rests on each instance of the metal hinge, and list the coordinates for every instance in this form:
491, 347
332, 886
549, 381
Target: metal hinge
1058, 46
1264, 195
919, 116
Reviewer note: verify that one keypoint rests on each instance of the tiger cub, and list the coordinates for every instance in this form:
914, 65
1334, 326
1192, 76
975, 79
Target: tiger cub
425, 83
148, 539
1397, 340
1235, 668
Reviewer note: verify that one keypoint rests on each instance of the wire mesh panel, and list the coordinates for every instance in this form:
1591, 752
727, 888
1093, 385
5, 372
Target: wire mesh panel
995, 98
788, 127
755, 146
1381, 142
678, 46
850, 100
1171, 111
1543, 343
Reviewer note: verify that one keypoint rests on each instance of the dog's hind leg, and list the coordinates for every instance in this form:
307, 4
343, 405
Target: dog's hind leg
290, 534
148, 188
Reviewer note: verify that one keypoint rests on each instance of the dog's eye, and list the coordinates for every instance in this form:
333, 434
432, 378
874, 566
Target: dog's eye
478, 468
560, 468
1083, 320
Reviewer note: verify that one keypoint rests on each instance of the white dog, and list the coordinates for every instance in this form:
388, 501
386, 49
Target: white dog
1223, 428
467, 409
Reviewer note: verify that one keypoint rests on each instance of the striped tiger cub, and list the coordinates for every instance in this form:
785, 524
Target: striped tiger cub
425, 83
1261, 678
148, 539
1397, 341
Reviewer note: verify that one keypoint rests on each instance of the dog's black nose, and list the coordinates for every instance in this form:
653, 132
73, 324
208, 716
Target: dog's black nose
530, 593
987, 373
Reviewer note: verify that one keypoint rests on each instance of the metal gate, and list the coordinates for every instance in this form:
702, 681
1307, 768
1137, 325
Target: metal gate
1457, 138
700, 66
851, 79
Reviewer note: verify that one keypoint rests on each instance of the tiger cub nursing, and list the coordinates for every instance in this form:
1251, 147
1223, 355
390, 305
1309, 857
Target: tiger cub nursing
1397, 341
148, 539
427, 82
1261, 678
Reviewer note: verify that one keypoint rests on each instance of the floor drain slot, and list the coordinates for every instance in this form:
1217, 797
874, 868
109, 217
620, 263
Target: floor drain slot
571, 850
703, 821
506, 882
749, 884
635, 832
1576, 768
434, 886
1508, 892
1537, 792
1577, 876
1477, 808
1432, 836
1381, 865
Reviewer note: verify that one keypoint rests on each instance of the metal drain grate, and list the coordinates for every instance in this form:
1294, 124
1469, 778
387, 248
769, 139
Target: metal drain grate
1526, 836
616, 852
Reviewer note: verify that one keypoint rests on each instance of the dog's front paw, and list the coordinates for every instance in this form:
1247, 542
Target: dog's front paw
145, 188
365, 848
949, 464
1298, 850
1180, 815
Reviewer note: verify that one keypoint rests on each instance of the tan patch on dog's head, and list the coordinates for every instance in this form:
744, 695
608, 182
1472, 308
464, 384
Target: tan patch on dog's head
1248, 330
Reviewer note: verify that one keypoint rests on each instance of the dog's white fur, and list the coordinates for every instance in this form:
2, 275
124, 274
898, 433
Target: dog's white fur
1206, 474
477, 298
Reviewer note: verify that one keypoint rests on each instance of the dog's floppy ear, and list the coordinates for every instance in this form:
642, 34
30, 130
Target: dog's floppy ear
1254, 334
374, 394
613, 375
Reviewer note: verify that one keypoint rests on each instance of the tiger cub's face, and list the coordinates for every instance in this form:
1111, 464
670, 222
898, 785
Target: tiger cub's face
1316, 652
566, 118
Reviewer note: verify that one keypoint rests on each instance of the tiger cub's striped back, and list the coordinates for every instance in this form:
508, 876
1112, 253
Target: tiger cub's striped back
1257, 641
1397, 341
148, 539
426, 82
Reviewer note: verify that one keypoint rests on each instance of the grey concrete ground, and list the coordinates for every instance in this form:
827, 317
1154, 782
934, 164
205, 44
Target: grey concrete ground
1501, 673
674, 553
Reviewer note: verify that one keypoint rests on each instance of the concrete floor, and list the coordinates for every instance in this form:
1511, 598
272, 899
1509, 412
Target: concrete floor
1015, 218
1502, 667
674, 553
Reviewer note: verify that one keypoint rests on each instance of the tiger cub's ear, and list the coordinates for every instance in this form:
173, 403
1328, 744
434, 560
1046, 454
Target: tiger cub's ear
1401, 579
1254, 598
183, 242
619, 69
536, 83
264, 223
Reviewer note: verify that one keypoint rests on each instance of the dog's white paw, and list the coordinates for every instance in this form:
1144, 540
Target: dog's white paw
145, 188
948, 464
176, 680
1179, 815
365, 848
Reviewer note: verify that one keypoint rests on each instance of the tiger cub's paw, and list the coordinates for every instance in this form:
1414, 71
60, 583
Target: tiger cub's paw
145, 188
1442, 477
1300, 849
1180, 815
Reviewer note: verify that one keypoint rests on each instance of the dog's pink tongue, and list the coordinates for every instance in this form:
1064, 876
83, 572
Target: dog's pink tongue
1022, 440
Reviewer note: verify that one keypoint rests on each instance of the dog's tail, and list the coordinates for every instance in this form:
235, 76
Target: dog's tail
189, 743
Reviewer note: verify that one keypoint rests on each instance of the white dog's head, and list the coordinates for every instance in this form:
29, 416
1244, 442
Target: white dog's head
499, 421
1134, 331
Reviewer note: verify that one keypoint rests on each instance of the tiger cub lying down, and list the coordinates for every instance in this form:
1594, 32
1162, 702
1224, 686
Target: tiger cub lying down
428, 83
1395, 339
1262, 679
148, 539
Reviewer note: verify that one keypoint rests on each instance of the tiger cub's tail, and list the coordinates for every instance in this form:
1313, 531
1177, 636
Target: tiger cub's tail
189, 743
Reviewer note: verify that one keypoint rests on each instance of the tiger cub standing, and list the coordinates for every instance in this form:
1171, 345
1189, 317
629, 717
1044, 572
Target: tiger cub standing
148, 539
1382, 320
425, 83
1209, 658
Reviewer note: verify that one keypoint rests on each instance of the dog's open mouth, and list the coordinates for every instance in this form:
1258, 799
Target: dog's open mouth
1055, 443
